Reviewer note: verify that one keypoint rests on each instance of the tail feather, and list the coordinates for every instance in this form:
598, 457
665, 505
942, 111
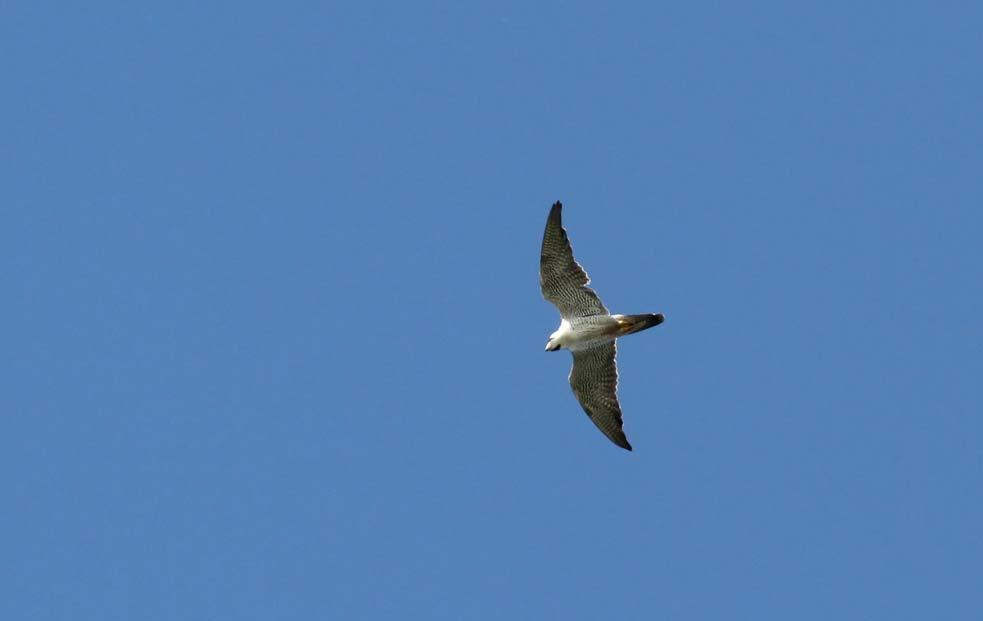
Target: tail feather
631, 324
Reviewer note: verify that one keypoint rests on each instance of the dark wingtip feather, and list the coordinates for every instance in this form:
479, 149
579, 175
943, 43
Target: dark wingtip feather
622, 441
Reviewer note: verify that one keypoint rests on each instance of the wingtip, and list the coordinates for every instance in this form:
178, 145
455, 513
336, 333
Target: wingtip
622, 442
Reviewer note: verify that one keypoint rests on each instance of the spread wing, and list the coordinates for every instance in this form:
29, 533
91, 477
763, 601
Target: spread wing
562, 280
594, 379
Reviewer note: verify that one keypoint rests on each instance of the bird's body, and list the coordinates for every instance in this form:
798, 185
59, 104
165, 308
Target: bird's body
586, 329
583, 332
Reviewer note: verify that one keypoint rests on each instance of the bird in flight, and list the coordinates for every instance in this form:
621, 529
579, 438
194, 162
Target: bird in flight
586, 329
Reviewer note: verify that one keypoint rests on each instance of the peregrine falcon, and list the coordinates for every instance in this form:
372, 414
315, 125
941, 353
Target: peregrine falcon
586, 329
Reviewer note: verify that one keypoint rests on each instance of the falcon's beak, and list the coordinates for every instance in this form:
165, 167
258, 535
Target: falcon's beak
551, 347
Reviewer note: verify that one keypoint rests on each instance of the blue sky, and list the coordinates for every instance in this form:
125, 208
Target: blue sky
274, 338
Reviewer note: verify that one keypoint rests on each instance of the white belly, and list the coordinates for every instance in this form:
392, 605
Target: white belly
585, 332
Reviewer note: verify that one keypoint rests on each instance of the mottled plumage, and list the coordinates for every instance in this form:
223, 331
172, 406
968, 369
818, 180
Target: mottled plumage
586, 329
594, 379
562, 280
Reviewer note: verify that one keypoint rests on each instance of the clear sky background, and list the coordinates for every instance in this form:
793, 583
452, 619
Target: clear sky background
274, 339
